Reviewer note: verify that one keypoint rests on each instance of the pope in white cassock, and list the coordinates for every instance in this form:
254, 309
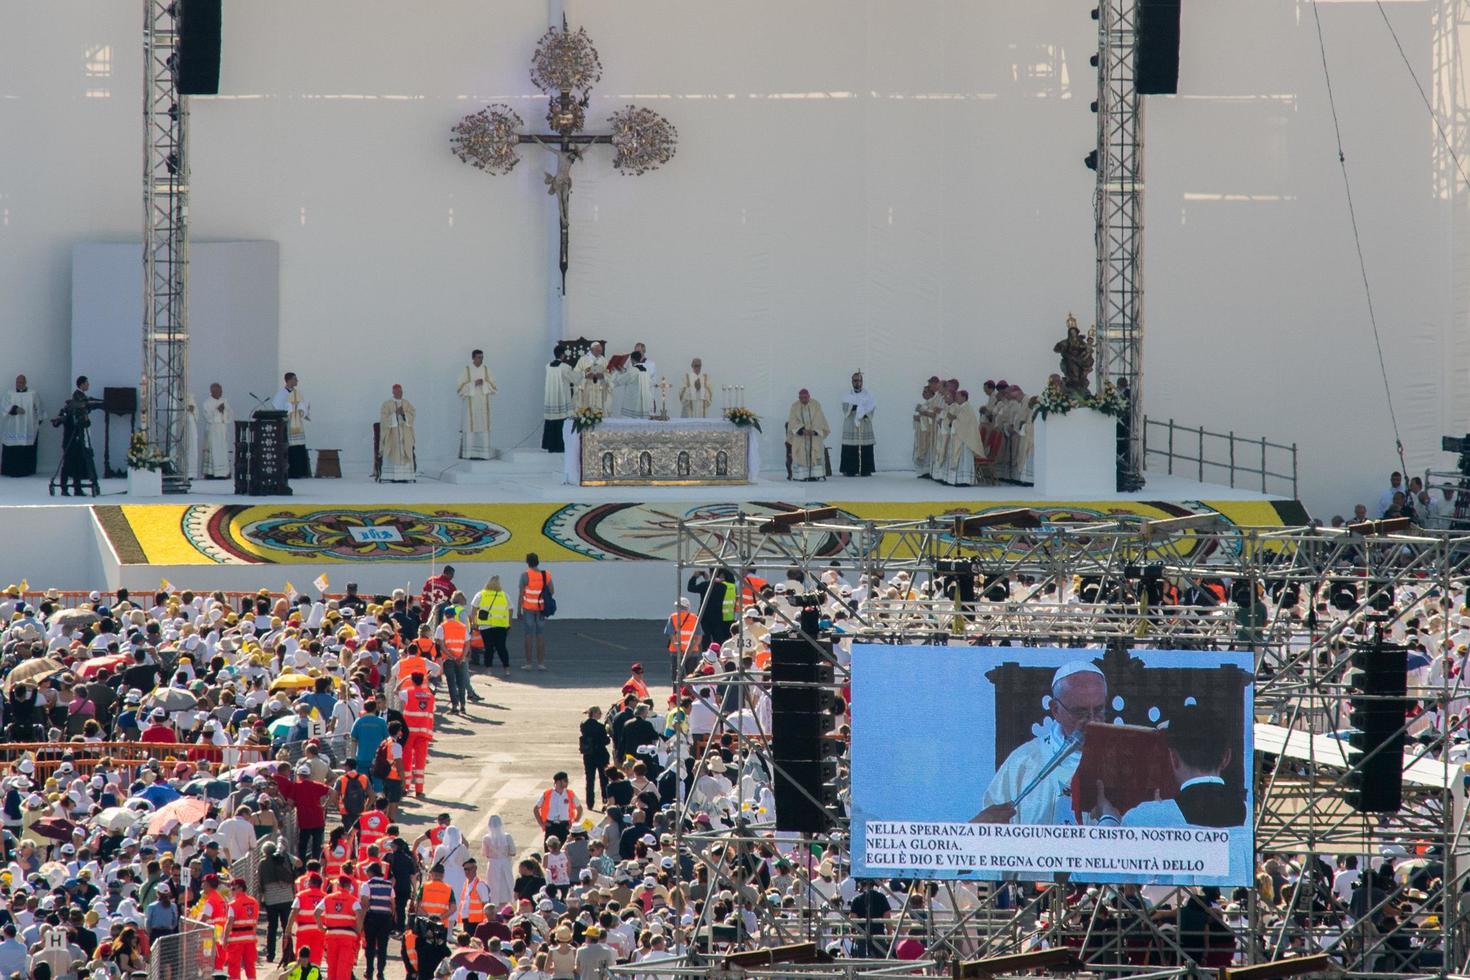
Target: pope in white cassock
395, 439
20, 420
1079, 694
219, 432
590, 374
637, 388
476, 385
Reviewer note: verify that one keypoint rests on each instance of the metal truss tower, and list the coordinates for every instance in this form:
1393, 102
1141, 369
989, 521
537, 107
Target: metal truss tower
1118, 207
165, 242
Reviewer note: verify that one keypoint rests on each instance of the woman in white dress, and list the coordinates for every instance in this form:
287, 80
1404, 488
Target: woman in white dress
500, 854
452, 853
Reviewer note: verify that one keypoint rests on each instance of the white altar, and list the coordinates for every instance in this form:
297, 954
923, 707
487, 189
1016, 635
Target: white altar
663, 438
1076, 455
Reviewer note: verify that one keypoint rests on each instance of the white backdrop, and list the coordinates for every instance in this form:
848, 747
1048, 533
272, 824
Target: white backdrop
889, 185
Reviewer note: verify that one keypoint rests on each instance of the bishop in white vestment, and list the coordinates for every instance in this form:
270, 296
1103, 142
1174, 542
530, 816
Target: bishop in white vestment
696, 393
476, 385
806, 434
590, 374
20, 421
219, 433
395, 439
298, 412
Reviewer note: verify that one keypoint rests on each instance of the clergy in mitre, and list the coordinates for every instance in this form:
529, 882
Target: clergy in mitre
395, 439
20, 421
594, 390
558, 403
298, 412
1079, 694
806, 434
696, 393
476, 385
858, 406
219, 430
637, 387
964, 443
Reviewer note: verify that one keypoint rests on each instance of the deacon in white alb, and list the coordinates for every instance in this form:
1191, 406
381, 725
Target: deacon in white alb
637, 388
20, 420
189, 451
858, 406
219, 432
476, 385
590, 375
696, 393
298, 412
395, 439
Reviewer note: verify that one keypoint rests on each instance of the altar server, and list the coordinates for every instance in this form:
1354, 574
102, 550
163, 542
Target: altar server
858, 406
476, 385
219, 431
558, 403
395, 438
637, 388
20, 420
298, 412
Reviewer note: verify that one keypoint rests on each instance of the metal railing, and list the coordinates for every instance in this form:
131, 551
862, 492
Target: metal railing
186, 955
1207, 456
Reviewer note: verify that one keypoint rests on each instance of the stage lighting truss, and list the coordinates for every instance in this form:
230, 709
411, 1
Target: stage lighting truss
1301, 698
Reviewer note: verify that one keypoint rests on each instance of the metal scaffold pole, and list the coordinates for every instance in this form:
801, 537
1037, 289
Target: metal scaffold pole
165, 243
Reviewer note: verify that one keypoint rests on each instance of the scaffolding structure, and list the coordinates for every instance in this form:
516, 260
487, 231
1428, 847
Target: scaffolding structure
1118, 207
165, 243
1299, 598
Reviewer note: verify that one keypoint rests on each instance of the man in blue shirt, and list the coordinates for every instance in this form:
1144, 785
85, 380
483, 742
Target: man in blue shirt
368, 733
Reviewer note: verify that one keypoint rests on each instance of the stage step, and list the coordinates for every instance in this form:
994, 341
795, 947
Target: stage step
514, 464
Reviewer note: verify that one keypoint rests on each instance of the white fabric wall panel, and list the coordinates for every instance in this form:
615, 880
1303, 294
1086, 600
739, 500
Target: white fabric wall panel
891, 185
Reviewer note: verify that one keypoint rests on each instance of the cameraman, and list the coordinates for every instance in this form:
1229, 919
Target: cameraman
77, 462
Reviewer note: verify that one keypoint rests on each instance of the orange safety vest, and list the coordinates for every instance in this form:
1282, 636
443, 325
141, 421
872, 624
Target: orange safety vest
247, 916
418, 709
342, 782
338, 916
475, 913
435, 899
455, 635
685, 624
306, 902
371, 826
536, 582
333, 860
545, 806
750, 590
636, 683
411, 665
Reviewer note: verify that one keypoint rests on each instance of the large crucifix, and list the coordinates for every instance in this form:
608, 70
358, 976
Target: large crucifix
565, 63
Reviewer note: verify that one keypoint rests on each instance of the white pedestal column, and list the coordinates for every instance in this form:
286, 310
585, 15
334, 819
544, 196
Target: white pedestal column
145, 483
1076, 455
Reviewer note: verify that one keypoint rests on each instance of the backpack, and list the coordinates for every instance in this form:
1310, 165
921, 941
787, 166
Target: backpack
548, 600
355, 795
382, 763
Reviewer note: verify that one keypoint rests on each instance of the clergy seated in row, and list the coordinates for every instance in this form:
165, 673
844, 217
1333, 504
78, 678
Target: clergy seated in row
476, 385
806, 438
395, 439
635, 388
20, 423
593, 386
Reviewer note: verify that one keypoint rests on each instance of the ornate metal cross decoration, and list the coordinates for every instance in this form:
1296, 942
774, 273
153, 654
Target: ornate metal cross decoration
565, 63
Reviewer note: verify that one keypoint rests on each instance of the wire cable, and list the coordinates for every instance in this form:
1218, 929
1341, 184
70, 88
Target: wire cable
1357, 238
1423, 95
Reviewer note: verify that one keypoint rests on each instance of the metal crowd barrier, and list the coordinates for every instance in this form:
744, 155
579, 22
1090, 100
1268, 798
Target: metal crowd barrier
186, 955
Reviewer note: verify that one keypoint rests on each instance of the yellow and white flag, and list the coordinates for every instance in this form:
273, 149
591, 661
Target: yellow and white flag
165, 586
321, 582
291, 592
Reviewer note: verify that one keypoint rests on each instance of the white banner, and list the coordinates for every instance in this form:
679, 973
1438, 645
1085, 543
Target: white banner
1045, 848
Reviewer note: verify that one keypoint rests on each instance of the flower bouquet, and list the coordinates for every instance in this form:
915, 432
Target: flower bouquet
586, 418
142, 456
743, 417
1056, 400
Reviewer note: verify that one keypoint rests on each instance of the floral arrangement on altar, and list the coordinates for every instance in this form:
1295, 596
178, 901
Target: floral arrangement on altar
142, 456
1056, 400
586, 418
743, 417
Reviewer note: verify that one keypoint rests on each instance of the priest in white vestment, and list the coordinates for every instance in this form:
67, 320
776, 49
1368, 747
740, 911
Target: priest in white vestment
858, 406
219, 434
1079, 694
594, 390
476, 385
395, 439
943, 427
558, 400
636, 387
298, 412
20, 422
806, 434
189, 451
924, 412
964, 443
696, 393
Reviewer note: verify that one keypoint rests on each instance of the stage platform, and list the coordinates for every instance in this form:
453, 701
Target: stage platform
612, 549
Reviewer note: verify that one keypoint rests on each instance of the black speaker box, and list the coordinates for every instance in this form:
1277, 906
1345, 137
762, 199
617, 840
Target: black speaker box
120, 401
199, 44
1157, 70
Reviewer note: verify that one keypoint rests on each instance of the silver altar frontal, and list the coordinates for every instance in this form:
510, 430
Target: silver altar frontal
680, 452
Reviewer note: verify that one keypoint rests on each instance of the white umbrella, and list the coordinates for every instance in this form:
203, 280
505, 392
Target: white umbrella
117, 818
